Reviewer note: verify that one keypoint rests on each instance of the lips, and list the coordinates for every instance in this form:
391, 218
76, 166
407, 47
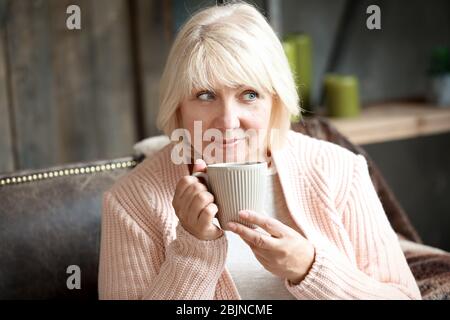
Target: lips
228, 142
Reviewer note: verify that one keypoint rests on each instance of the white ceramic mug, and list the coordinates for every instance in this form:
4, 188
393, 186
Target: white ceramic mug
236, 186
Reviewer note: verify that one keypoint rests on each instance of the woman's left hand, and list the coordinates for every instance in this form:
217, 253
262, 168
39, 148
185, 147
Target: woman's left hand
283, 252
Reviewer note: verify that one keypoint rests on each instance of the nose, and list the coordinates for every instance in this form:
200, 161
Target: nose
228, 116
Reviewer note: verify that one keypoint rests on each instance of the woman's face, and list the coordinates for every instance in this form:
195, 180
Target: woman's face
233, 112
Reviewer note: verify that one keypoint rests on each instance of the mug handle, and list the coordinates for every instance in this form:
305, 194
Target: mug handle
202, 175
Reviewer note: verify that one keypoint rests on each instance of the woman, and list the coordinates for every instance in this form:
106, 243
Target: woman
323, 235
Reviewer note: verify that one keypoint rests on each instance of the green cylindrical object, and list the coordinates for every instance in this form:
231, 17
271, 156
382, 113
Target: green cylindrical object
291, 54
342, 95
303, 67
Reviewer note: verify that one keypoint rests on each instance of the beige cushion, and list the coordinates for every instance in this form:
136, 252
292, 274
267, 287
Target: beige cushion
150, 146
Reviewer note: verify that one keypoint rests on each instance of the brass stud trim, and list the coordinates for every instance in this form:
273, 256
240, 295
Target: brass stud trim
66, 172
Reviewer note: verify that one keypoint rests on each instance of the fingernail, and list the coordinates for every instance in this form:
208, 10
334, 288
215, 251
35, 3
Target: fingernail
198, 161
231, 226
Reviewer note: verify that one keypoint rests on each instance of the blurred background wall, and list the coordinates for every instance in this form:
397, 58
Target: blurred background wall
79, 95
391, 64
75, 95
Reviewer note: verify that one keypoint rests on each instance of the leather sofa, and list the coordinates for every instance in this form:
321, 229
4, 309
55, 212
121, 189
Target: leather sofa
50, 219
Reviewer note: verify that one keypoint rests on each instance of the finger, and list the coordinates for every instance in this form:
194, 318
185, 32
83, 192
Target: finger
251, 245
271, 225
263, 253
191, 192
193, 204
207, 214
184, 183
183, 203
256, 250
254, 237
200, 201
262, 258
199, 166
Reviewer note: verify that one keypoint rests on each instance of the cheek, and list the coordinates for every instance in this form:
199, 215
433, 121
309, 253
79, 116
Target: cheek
257, 119
190, 114
187, 116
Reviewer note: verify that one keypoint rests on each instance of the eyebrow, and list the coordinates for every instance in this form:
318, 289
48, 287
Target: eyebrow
200, 90
196, 92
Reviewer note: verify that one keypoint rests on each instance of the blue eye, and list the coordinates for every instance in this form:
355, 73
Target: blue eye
250, 95
205, 96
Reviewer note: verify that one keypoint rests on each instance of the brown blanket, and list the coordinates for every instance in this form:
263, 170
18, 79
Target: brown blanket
431, 268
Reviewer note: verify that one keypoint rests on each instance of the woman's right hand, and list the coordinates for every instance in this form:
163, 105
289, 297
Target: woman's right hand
195, 207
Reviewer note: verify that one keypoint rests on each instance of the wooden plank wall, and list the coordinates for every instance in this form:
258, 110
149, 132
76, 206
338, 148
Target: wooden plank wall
153, 30
29, 44
6, 150
70, 94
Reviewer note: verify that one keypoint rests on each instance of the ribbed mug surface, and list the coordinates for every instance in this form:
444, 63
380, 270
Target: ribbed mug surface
237, 186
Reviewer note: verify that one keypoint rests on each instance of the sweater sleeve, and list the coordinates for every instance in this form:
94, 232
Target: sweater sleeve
381, 270
134, 264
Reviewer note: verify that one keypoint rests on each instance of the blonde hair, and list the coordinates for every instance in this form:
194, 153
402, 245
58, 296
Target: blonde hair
230, 44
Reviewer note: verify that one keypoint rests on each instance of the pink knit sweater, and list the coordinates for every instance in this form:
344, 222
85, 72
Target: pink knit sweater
146, 254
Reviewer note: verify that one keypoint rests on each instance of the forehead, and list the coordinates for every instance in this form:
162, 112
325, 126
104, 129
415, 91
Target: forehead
215, 74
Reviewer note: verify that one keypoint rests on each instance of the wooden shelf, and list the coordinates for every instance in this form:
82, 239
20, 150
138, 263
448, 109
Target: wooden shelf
394, 121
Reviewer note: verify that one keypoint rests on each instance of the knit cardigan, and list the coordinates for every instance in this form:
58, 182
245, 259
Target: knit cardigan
146, 254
